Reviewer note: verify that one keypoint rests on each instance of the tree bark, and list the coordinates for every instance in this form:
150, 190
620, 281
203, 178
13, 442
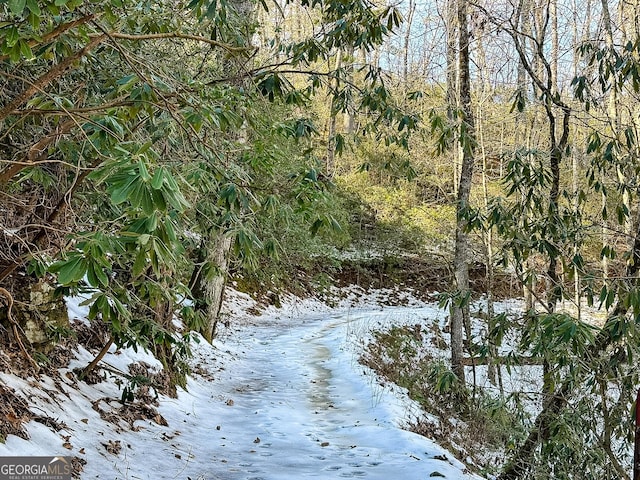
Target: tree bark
218, 245
55, 72
217, 258
452, 77
460, 308
407, 41
331, 141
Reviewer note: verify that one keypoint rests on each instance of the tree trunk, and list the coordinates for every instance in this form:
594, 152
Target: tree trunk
460, 308
349, 119
407, 41
614, 120
217, 258
555, 44
452, 78
218, 246
331, 141
493, 373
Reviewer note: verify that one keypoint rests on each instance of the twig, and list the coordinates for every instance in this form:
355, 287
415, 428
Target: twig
184, 36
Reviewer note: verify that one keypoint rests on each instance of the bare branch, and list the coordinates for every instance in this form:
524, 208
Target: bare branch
184, 36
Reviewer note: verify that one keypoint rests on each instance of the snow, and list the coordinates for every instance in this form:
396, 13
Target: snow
279, 396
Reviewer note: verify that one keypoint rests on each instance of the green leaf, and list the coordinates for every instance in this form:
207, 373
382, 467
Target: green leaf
158, 178
33, 7
92, 278
72, 270
25, 50
102, 276
17, 6
12, 36
143, 171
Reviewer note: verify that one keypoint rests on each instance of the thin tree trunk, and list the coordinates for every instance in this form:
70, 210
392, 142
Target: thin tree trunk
349, 120
452, 79
460, 309
522, 20
407, 41
488, 240
614, 120
555, 44
576, 270
331, 141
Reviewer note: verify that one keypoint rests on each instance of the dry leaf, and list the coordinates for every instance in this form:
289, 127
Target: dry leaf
230, 402
160, 420
67, 445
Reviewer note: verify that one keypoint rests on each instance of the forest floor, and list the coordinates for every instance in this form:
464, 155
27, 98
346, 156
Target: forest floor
279, 395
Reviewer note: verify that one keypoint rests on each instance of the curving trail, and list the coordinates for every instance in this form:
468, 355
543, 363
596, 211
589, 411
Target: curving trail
302, 398
282, 399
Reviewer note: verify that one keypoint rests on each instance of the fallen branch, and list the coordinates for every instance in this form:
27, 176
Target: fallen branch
94, 363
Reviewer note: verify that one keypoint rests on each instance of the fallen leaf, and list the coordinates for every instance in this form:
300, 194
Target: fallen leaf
230, 402
159, 419
257, 440
324, 444
67, 445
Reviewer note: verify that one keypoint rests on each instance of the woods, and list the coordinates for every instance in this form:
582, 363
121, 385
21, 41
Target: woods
153, 152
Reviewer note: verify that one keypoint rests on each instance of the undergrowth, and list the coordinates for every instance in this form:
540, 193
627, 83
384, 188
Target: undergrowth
475, 424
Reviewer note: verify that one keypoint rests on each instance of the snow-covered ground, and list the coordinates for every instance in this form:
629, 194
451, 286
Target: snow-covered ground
279, 396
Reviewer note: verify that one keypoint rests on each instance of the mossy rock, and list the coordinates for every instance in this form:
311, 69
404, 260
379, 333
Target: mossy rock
38, 311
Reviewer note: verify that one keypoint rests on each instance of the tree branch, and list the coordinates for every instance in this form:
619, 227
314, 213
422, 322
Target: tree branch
37, 152
55, 72
184, 36
56, 32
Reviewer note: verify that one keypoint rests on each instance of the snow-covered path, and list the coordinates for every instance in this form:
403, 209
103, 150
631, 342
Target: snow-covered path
302, 409
288, 400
